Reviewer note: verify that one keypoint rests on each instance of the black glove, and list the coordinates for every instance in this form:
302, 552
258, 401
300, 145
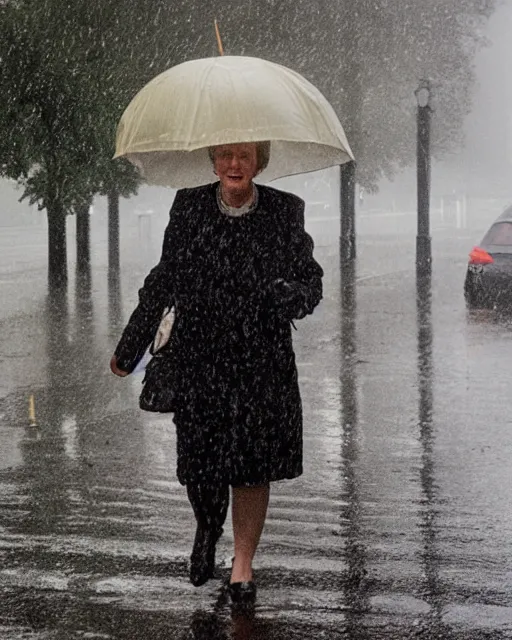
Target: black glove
288, 299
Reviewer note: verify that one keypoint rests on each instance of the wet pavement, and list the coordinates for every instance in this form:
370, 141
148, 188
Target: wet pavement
400, 527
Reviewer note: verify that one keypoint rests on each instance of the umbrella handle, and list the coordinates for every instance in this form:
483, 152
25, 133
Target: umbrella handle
219, 39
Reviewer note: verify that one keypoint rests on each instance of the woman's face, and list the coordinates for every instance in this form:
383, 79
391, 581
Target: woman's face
236, 165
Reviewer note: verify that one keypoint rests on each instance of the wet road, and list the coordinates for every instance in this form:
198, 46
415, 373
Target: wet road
401, 526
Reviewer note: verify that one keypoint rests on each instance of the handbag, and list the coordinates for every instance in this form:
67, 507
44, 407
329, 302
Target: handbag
157, 393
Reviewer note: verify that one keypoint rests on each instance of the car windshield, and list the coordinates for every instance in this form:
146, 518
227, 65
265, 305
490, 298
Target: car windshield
499, 234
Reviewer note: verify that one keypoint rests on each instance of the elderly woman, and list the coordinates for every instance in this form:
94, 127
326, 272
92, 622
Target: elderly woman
238, 266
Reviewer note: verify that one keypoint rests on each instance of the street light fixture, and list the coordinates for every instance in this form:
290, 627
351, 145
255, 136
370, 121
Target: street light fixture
423, 240
423, 94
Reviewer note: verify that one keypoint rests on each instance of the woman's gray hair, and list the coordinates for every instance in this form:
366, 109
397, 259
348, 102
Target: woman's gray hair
262, 154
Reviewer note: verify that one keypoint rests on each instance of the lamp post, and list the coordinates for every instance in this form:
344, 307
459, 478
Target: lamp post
348, 211
423, 240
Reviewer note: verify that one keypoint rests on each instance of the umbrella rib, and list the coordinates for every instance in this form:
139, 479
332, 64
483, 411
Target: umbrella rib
195, 116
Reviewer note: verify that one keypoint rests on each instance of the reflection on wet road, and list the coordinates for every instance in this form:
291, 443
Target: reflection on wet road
401, 526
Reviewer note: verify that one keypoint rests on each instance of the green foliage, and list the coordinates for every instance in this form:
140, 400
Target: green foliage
58, 110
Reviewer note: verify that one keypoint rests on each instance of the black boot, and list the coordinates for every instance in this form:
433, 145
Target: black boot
242, 593
202, 560
210, 508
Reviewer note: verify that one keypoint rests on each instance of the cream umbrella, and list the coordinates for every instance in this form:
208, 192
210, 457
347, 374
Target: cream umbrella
169, 125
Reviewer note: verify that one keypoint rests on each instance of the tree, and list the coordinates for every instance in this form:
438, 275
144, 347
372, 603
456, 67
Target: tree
57, 118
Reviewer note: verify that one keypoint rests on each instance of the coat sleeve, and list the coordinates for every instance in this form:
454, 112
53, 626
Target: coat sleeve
155, 294
305, 270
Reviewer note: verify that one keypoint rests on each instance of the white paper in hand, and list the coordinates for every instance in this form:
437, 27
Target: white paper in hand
141, 367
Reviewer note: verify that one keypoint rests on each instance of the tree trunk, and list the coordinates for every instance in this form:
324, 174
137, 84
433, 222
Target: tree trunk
83, 240
113, 231
57, 248
115, 306
83, 265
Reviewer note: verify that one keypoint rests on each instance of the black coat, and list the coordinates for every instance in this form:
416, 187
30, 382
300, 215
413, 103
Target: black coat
238, 409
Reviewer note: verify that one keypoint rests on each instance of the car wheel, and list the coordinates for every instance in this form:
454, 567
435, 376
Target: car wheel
473, 294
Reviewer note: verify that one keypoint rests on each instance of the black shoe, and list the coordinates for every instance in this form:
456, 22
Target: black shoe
202, 560
242, 593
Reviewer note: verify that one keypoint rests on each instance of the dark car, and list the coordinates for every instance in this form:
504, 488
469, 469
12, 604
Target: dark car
489, 275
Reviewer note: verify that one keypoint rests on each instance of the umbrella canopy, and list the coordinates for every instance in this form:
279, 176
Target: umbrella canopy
168, 126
